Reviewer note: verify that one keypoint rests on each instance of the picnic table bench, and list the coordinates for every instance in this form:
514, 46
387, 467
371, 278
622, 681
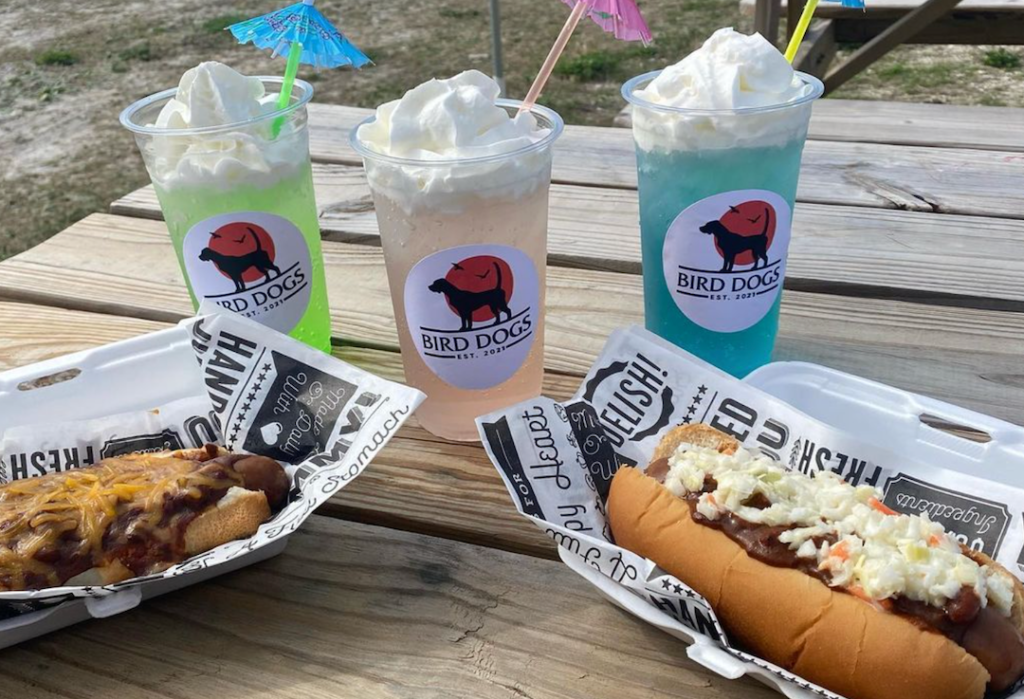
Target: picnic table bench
419, 579
882, 25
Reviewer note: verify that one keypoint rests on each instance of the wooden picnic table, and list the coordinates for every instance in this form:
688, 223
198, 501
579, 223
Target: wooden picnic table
419, 579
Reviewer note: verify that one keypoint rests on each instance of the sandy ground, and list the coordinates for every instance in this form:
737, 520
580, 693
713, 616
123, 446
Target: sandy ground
64, 155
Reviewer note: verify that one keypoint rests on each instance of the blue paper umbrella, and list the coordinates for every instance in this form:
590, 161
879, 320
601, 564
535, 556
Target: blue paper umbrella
320, 43
304, 35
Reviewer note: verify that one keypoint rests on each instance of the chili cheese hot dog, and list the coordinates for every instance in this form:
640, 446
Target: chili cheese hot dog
819, 577
131, 515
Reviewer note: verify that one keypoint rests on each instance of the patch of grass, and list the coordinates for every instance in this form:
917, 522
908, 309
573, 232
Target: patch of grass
139, 52
1001, 58
590, 67
48, 93
893, 71
56, 57
935, 75
457, 13
221, 22
991, 101
641, 51
375, 53
912, 78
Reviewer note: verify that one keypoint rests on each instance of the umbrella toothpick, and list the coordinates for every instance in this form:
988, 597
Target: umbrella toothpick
619, 17
556, 51
309, 37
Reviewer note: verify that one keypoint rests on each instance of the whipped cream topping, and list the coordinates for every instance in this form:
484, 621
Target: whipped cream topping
731, 71
212, 95
442, 121
877, 553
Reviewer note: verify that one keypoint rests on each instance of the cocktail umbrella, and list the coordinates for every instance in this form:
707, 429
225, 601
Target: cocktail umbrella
620, 18
805, 21
303, 35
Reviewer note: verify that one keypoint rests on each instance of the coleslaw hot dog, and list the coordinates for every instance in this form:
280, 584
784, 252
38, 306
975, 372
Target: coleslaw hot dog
819, 576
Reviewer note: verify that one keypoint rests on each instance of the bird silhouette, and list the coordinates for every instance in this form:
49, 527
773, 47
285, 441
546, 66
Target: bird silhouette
755, 219
215, 235
456, 265
241, 240
733, 209
484, 275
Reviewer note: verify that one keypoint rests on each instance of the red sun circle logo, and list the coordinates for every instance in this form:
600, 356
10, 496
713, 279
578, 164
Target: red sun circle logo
748, 219
238, 239
481, 273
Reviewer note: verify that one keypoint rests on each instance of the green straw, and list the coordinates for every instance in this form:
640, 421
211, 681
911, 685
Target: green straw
290, 71
801, 29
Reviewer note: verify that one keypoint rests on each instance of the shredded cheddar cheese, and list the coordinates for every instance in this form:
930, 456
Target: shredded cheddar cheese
45, 522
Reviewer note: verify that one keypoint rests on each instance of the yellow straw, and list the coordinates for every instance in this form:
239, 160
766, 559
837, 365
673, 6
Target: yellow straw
801, 29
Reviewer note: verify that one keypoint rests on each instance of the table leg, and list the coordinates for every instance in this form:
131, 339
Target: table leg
793, 10
766, 19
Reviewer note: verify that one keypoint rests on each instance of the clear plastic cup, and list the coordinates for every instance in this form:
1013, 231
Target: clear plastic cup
239, 206
465, 245
716, 190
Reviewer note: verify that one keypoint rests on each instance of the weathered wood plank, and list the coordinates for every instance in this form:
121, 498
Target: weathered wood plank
912, 124
971, 357
74, 269
355, 611
965, 260
969, 181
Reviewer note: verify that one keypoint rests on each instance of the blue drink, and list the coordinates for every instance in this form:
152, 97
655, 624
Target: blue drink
715, 213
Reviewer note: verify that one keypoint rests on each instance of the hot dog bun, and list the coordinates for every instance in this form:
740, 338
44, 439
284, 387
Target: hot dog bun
132, 515
784, 615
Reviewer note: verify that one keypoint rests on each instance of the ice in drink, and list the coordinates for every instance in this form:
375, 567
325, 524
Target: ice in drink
460, 186
238, 199
719, 138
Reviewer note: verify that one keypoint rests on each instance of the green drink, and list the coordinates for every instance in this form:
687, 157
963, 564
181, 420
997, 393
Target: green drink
238, 202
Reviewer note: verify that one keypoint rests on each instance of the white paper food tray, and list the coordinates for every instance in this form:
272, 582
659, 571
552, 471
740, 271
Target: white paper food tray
878, 413
230, 372
108, 383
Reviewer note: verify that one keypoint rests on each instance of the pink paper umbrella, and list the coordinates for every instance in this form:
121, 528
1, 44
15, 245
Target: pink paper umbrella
621, 18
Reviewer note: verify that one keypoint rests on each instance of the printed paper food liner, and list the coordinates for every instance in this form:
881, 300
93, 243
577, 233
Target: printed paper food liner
557, 461
267, 394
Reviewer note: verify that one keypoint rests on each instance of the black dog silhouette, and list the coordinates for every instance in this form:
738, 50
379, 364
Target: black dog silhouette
732, 244
236, 266
466, 302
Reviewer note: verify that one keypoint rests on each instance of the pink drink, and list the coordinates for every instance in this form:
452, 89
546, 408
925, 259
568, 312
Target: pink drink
466, 261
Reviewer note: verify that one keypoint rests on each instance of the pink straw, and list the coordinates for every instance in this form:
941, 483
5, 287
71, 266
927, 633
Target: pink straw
556, 51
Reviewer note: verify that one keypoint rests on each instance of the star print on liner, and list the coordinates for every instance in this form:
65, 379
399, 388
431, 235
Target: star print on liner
691, 411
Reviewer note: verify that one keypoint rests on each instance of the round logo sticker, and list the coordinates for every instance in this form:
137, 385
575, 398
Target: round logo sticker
255, 264
725, 258
472, 313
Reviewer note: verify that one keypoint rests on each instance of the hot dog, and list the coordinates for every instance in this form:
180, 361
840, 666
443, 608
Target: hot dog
820, 577
131, 515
